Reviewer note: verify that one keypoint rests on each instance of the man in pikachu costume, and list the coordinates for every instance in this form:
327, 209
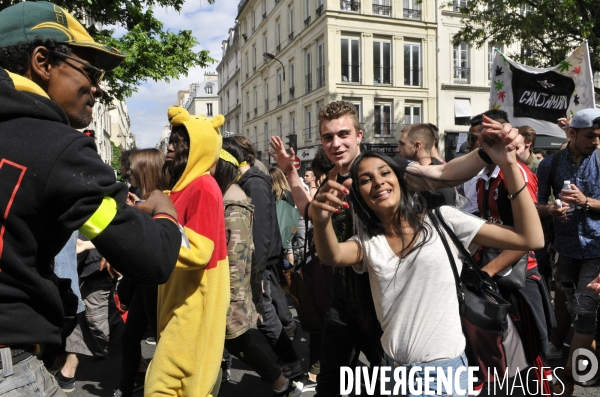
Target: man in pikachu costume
192, 305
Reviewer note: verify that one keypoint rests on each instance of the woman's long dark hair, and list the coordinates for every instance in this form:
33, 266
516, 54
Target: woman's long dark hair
180, 139
226, 173
410, 211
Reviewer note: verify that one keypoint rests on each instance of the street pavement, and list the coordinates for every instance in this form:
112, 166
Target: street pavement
101, 377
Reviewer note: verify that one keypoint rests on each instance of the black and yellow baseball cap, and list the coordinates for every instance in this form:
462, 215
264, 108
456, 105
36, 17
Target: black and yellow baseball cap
27, 20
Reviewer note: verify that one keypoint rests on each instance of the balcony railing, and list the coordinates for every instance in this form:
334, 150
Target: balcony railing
264, 15
384, 128
383, 75
411, 14
292, 92
319, 10
291, 36
462, 75
412, 77
307, 22
308, 83
382, 10
308, 133
255, 112
320, 76
350, 5
350, 73
279, 99
278, 48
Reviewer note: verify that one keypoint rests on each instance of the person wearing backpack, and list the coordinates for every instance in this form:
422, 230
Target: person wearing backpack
576, 228
267, 249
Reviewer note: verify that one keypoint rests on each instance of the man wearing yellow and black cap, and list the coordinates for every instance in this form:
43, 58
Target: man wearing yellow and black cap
53, 182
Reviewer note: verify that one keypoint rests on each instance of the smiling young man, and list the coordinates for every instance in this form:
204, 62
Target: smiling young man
345, 328
53, 182
576, 233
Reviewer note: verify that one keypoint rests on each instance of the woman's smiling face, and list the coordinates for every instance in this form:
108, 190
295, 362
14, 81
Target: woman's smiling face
379, 187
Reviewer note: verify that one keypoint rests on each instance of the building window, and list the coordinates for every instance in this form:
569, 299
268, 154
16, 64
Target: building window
462, 71
306, 13
266, 98
412, 64
255, 137
266, 136
412, 9
254, 58
491, 50
320, 65
279, 127
253, 21
382, 7
264, 8
278, 37
208, 89
382, 123
292, 123
382, 62
412, 114
247, 66
291, 36
255, 103
279, 89
265, 47
209, 109
319, 8
350, 61
308, 126
350, 5
458, 4
308, 77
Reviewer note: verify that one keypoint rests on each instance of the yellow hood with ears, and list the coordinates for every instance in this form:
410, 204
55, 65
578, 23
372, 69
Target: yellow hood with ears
205, 143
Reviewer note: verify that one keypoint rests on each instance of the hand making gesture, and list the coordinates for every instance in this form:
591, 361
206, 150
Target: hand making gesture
330, 198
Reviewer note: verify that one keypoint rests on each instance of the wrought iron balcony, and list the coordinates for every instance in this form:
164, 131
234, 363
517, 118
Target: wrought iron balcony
383, 75
350, 5
308, 83
411, 14
292, 92
319, 10
384, 128
264, 15
279, 99
350, 73
320, 76
255, 112
307, 22
462, 75
379, 9
291, 36
278, 48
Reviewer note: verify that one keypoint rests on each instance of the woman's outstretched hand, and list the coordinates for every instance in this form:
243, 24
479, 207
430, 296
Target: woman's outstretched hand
499, 140
330, 197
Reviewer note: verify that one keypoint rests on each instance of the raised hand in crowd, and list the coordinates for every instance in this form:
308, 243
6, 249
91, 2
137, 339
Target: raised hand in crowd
157, 202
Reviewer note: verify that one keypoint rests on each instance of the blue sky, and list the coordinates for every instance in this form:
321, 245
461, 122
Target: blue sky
210, 24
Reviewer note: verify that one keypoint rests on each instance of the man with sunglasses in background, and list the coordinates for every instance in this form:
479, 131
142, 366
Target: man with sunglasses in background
53, 182
576, 233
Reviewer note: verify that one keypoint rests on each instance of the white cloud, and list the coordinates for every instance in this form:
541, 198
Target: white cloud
210, 24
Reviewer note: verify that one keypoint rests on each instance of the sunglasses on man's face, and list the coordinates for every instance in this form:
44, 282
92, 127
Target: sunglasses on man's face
94, 74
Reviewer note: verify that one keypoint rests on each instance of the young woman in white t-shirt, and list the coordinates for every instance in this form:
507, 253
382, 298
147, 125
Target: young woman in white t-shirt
410, 274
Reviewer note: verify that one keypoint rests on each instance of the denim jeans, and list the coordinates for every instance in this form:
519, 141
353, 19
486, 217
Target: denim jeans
65, 266
455, 363
575, 275
28, 378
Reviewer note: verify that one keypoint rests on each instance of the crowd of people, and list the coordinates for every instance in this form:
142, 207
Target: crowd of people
196, 239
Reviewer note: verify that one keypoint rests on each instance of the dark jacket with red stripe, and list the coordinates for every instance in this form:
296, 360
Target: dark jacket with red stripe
51, 182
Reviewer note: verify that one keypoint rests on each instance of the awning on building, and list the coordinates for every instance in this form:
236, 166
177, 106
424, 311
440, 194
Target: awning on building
462, 108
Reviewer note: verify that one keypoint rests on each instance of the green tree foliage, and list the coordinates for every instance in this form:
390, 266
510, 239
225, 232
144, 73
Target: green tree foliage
548, 30
116, 160
154, 53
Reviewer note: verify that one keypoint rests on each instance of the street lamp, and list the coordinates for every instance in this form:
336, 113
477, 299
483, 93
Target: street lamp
271, 56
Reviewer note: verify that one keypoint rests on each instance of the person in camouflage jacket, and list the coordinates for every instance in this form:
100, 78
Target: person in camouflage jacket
244, 278
239, 216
